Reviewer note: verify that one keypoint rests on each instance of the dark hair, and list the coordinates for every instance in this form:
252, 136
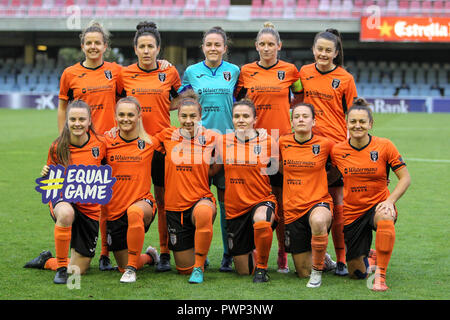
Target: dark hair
334, 36
246, 102
361, 104
216, 30
146, 28
303, 104
186, 98
95, 26
60, 149
269, 28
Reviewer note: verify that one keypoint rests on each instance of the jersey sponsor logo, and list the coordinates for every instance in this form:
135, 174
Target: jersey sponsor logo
227, 75
141, 144
95, 152
316, 149
374, 156
108, 74
77, 184
281, 75
162, 76
335, 83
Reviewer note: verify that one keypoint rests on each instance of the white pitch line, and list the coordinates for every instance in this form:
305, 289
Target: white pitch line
428, 160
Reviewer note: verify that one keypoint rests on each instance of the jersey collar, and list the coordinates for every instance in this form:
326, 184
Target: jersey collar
301, 143
93, 69
257, 63
87, 141
326, 72
212, 70
362, 148
148, 71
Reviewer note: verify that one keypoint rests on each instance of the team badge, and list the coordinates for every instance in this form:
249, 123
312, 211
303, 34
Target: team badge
257, 149
162, 76
230, 240
227, 75
95, 152
141, 144
287, 239
281, 75
202, 140
108, 74
374, 156
316, 149
335, 83
173, 238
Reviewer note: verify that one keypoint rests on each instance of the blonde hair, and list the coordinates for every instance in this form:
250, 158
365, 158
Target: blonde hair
269, 27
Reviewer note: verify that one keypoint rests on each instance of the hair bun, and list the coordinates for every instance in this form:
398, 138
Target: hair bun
269, 24
334, 31
146, 25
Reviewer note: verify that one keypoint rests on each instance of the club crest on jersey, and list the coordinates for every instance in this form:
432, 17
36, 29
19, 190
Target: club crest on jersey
108, 74
335, 83
227, 75
162, 76
374, 156
257, 149
281, 75
95, 152
141, 144
316, 149
202, 140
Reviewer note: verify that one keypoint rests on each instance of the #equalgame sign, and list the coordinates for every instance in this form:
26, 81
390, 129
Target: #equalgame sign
77, 183
405, 29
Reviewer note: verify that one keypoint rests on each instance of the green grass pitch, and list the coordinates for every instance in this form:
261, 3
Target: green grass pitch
419, 267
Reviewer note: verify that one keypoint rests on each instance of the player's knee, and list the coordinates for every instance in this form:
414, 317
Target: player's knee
65, 216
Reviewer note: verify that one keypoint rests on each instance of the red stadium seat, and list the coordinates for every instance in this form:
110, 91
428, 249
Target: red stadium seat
346, 9
358, 6
266, 10
212, 8
301, 8
200, 8
335, 8
312, 8
256, 8
427, 8
277, 10
289, 9
391, 8
189, 9
415, 7
403, 7
324, 8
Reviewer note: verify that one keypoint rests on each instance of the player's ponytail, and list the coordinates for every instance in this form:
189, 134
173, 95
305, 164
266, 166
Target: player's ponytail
60, 149
146, 28
334, 36
360, 103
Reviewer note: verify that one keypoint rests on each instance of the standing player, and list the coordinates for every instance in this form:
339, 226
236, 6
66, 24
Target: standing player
249, 160
269, 83
214, 81
365, 162
132, 207
306, 201
190, 205
94, 81
153, 88
76, 224
330, 89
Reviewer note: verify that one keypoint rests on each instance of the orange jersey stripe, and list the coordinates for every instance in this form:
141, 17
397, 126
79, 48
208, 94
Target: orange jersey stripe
96, 87
365, 173
153, 89
131, 163
331, 94
187, 164
269, 89
304, 174
247, 180
92, 152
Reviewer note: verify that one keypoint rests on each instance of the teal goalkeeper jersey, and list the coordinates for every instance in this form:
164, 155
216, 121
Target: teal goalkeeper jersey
215, 87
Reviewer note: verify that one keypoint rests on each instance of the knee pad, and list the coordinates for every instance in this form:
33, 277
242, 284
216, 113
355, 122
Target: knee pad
385, 236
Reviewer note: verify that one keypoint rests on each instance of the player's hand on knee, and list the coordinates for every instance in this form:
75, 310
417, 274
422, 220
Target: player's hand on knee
386, 210
45, 170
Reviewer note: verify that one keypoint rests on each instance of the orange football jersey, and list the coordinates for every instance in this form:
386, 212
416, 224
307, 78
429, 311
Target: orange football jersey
96, 87
131, 163
331, 94
247, 166
365, 173
93, 152
153, 89
269, 89
304, 174
187, 165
